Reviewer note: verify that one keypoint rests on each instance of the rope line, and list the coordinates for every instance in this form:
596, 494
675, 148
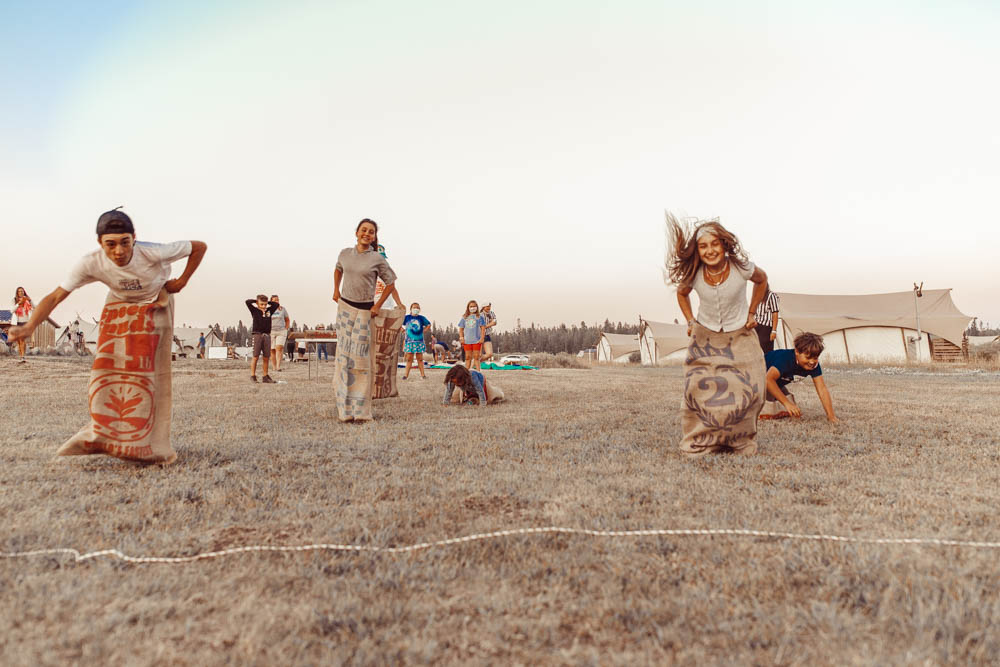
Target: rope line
479, 537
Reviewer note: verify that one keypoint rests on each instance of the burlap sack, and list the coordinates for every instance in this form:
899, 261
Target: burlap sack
130, 393
494, 394
353, 379
387, 331
724, 385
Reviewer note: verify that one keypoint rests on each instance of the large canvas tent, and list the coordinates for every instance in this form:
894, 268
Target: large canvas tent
876, 327
617, 347
660, 342
186, 340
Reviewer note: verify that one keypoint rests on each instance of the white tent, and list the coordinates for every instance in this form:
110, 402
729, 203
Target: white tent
660, 342
876, 327
617, 347
186, 340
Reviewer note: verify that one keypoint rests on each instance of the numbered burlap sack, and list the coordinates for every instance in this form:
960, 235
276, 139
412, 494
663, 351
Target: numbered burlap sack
130, 392
353, 378
724, 385
386, 350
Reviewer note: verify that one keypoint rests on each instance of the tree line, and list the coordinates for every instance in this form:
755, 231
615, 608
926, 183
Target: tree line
533, 338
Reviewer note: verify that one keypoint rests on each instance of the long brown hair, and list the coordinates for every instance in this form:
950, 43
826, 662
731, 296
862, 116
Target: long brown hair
682, 260
467, 311
461, 377
21, 289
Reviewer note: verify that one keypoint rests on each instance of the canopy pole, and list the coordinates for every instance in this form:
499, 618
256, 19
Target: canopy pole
918, 292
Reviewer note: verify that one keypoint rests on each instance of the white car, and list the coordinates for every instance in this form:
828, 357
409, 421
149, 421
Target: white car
514, 360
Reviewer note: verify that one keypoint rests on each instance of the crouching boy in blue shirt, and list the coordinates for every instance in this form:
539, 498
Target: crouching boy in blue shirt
783, 366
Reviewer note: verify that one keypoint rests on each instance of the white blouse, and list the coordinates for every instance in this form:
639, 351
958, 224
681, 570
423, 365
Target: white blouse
724, 307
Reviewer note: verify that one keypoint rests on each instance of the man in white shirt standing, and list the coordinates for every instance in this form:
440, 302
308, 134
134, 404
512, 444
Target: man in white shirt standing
279, 333
130, 389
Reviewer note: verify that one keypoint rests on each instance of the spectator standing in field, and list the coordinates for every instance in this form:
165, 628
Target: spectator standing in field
201, 346
783, 366
321, 352
413, 345
279, 332
130, 382
767, 321
491, 321
358, 267
724, 370
261, 310
473, 328
22, 313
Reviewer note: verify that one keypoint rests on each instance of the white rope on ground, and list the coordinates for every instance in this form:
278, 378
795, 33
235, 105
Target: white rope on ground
479, 537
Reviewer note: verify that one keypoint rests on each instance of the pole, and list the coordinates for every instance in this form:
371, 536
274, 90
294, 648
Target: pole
918, 292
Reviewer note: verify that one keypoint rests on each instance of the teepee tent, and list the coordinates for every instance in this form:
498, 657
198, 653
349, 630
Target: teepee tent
617, 347
660, 342
90, 328
876, 327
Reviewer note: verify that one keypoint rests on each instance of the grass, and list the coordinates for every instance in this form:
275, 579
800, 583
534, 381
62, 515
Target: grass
916, 455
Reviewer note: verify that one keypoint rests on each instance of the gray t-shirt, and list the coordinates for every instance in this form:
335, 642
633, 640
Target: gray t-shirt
361, 270
278, 320
724, 307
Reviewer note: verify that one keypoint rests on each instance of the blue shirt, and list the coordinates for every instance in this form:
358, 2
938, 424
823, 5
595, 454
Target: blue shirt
784, 361
473, 327
415, 326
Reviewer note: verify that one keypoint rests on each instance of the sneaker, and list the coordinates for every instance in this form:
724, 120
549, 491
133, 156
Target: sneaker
253, 378
267, 379
404, 377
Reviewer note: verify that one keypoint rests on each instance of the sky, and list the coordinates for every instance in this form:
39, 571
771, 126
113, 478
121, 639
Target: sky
521, 153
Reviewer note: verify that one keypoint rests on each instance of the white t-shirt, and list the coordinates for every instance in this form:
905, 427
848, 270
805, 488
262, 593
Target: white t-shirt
724, 307
138, 282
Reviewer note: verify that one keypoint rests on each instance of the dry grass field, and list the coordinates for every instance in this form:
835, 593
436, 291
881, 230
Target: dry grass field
916, 455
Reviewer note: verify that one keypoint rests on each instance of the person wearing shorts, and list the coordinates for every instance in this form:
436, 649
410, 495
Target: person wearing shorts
491, 322
279, 333
261, 310
473, 328
413, 344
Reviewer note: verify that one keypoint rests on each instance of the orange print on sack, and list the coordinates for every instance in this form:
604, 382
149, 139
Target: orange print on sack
121, 331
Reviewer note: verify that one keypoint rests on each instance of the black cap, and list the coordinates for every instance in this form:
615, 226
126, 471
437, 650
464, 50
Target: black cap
114, 222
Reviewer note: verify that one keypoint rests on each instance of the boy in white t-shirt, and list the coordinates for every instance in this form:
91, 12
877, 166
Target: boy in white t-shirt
129, 377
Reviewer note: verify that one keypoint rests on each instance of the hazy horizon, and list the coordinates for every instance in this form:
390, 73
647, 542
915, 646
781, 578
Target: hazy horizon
522, 155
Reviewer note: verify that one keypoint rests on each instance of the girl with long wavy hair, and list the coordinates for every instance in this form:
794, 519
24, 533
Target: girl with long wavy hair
724, 384
471, 384
22, 313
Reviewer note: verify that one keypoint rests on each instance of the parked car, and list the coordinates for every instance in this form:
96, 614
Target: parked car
514, 360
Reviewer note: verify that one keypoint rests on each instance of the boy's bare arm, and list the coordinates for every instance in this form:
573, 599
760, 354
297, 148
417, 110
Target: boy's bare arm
824, 397
38, 315
198, 249
775, 391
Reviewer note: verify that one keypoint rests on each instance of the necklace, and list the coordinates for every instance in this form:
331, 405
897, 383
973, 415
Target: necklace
715, 276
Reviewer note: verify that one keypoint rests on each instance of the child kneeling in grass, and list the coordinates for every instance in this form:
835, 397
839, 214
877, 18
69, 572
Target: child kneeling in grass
473, 386
783, 366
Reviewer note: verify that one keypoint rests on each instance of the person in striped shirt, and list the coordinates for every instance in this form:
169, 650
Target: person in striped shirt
767, 321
